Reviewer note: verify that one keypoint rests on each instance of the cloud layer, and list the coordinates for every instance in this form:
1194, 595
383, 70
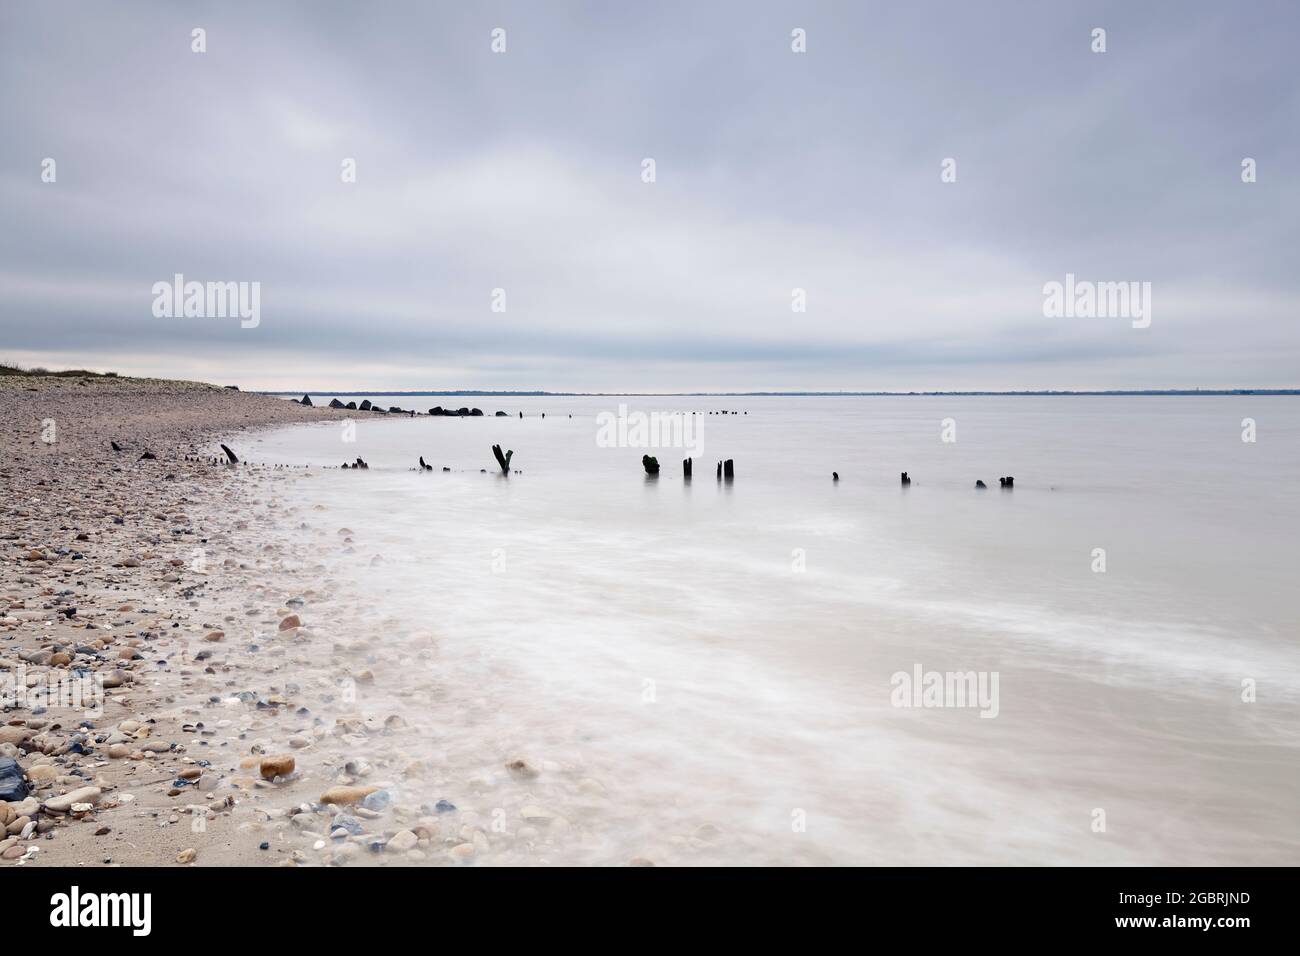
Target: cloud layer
522, 171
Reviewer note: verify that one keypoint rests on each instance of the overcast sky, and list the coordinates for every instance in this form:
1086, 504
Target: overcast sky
775, 170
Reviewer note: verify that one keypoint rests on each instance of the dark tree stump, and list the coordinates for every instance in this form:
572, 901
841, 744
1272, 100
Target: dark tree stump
503, 460
686, 469
651, 464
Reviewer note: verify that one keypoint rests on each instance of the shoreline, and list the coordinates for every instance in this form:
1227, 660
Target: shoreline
136, 582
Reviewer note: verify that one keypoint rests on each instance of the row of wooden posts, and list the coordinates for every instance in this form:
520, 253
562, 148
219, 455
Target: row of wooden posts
726, 469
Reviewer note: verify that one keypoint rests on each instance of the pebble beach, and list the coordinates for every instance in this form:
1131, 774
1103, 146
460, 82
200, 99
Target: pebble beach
182, 684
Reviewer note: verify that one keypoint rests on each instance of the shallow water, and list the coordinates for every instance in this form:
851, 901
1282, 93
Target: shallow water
721, 655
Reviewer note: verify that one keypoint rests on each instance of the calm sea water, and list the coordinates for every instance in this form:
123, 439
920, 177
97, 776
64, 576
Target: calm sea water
724, 655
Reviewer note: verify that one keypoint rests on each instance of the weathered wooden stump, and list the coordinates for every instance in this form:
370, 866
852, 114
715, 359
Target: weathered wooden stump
686, 469
906, 480
651, 464
503, 460
728, 470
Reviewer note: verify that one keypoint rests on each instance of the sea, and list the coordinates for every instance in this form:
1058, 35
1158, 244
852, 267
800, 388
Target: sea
1097, 665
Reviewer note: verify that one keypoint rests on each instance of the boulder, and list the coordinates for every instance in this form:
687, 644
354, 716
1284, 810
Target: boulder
335, 403
364, 406
651, 464
305, 400
502, 415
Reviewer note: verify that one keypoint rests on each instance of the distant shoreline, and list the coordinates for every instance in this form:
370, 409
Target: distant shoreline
514, 394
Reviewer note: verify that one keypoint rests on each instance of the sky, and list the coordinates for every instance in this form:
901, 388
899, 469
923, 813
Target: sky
525, 171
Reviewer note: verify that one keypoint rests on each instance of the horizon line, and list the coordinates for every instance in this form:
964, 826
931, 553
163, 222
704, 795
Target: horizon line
534, 393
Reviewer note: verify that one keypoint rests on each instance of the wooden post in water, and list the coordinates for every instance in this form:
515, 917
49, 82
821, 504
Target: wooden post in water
686, 469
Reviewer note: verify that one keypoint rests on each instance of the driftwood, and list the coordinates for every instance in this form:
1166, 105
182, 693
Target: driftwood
503, 460
234, 459
651, 464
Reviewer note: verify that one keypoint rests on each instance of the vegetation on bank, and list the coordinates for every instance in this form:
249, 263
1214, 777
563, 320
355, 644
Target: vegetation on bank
13, 368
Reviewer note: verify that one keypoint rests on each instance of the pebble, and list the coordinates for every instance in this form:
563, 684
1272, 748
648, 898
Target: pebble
42, 774
187, 856
64, 803
521, 768
344, 796
403, 840
278, 766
